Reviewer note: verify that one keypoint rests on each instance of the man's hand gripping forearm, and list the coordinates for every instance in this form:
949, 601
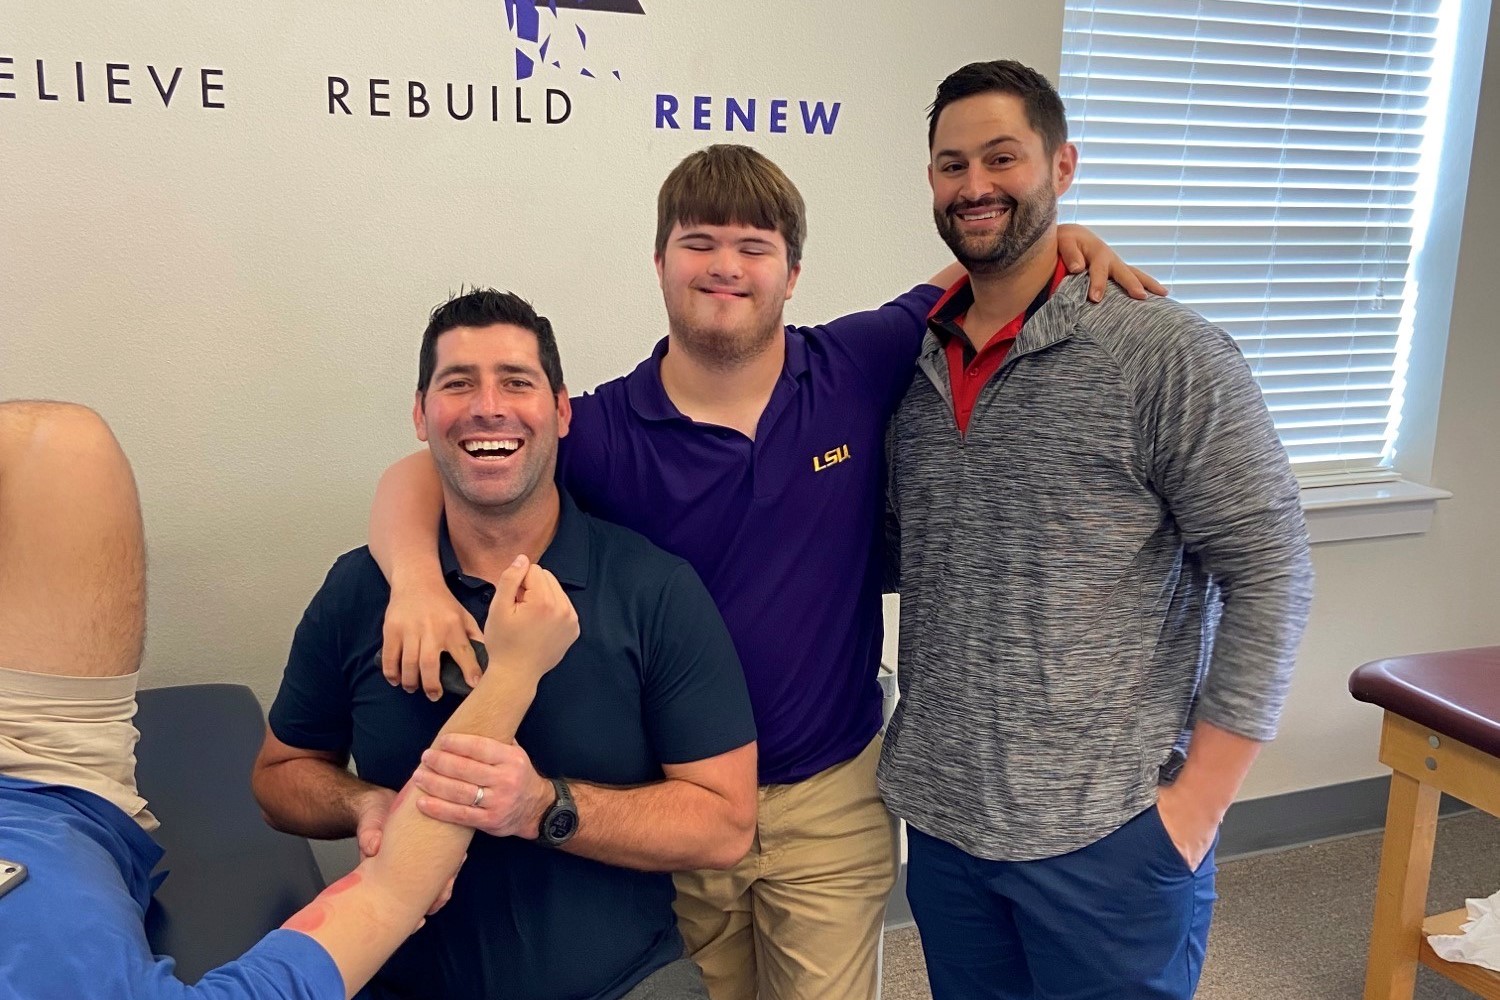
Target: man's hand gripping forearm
363, 917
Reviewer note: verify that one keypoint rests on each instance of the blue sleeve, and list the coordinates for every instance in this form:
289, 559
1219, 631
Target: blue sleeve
883, 343
75, 929
695, 702
283, 964
312, 710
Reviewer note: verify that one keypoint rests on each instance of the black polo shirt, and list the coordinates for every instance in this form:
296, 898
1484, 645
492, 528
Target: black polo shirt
653, 679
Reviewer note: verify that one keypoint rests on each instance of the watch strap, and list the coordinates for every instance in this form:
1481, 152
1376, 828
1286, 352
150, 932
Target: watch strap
564, 806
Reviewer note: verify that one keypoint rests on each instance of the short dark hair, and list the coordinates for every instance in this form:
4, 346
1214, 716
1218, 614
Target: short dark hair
482, 307
728, 184
1044, 108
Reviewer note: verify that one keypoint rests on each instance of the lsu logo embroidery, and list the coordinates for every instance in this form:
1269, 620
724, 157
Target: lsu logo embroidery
829, 458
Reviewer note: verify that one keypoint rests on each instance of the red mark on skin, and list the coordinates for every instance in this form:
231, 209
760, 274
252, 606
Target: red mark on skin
347, 882
309, 918
316, 913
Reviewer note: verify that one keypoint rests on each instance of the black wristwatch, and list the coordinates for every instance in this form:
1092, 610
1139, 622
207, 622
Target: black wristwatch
560, 821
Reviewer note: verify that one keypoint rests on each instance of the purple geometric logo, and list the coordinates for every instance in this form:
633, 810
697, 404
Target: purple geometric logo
524, 18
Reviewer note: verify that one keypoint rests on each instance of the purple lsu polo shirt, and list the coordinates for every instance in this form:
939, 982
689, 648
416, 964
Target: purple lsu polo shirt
786, 531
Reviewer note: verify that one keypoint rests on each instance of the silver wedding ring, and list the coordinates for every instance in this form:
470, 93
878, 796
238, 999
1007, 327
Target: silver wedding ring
478, 796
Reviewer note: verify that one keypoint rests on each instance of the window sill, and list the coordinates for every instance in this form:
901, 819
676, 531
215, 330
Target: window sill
1369, 510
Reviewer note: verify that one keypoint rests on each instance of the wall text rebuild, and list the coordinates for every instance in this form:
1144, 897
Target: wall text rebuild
375, 98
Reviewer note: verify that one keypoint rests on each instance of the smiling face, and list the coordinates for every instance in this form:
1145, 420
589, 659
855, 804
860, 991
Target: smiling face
490, 418
994, 185
724, 289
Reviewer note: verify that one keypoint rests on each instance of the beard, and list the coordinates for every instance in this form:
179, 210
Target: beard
724, 348
482, 494
1031, 216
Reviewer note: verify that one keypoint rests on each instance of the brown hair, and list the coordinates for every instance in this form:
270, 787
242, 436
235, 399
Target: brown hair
732, 185
1044, 109
481, 307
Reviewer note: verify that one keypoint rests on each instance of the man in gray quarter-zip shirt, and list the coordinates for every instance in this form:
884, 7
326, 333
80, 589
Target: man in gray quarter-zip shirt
1104, 575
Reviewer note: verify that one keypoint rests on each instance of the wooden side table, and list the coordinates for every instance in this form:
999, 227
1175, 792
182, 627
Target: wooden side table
1441, 734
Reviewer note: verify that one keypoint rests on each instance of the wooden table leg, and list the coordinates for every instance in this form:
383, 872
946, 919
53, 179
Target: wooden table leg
1401, 895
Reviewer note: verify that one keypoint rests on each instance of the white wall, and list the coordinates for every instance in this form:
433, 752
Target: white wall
1441, 590
241, 290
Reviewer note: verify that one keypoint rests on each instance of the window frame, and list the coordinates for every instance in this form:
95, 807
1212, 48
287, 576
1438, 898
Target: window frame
1377, 503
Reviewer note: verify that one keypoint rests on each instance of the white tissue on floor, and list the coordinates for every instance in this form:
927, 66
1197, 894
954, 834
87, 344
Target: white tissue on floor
1478, 940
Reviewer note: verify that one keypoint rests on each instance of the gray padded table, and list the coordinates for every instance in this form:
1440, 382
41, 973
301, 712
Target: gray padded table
232, 878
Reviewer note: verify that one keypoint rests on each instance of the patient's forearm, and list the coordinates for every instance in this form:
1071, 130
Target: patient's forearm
404, 517
412, 843
361, 919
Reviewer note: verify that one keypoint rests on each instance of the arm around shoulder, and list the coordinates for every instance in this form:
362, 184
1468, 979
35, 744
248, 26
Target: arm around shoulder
404, 517
423, 619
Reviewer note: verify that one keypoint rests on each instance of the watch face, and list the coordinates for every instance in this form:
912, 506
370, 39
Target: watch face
561, 826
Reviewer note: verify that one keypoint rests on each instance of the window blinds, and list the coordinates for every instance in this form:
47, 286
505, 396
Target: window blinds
1267, 161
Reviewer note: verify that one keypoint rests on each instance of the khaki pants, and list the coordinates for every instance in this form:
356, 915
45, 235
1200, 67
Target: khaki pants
800, 918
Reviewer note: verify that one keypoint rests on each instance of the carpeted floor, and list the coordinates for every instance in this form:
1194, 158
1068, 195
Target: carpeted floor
1294, 925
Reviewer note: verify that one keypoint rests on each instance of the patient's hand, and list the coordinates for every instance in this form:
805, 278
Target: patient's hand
531, 622
421, 622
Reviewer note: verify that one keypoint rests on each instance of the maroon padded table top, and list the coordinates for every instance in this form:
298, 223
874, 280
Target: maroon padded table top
1456, 693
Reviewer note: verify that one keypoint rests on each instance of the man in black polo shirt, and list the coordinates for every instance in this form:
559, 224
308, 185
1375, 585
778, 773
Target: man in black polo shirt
636, 758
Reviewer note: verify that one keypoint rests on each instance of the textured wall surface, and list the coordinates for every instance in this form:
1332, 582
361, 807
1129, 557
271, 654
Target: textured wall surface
241, 290
1390, 596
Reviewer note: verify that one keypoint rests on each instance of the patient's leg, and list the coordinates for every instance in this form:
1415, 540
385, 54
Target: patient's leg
72, 555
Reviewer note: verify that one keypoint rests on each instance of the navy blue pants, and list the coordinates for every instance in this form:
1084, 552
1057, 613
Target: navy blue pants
1121, 918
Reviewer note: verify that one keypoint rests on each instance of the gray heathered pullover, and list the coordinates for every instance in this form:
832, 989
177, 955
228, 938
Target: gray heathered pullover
1113, 551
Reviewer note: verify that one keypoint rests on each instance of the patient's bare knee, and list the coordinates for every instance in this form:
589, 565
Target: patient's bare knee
47, 425
72, 555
